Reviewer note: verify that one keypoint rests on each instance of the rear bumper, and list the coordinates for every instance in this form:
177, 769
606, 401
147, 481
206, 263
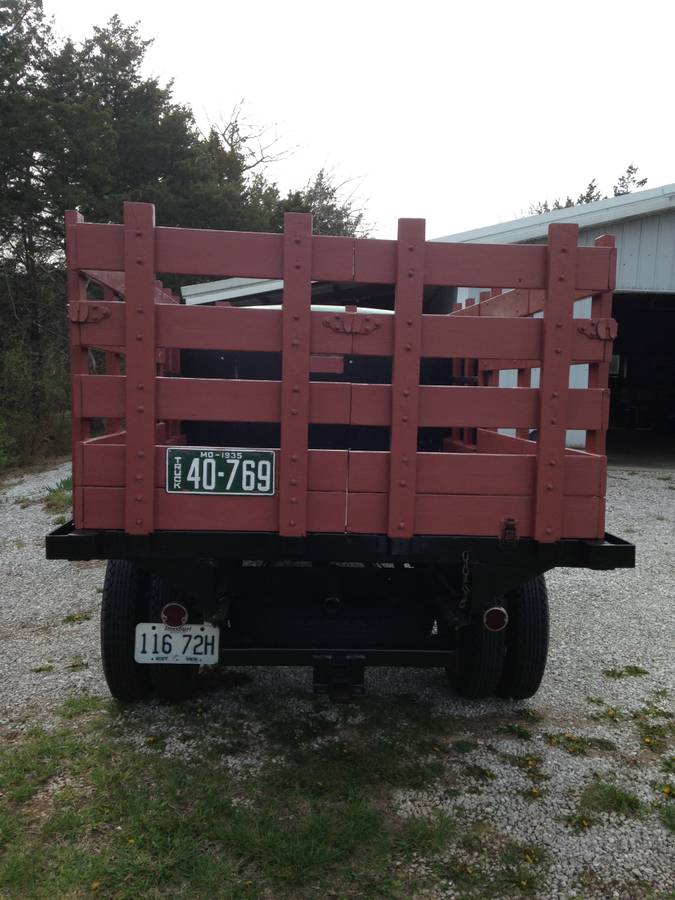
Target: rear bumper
68, 543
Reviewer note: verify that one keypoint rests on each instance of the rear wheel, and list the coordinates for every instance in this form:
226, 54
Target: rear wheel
480, 660
170, 682
123, 606
526, 639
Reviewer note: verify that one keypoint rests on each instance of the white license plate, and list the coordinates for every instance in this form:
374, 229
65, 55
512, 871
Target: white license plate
187, 645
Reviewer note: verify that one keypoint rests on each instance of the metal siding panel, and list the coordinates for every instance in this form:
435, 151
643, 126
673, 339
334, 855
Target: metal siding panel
664, 272
649, 234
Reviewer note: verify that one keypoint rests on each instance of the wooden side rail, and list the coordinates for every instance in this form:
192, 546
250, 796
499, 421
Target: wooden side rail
549, 491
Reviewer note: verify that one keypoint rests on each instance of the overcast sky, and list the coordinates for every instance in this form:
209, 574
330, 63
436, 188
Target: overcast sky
459, 112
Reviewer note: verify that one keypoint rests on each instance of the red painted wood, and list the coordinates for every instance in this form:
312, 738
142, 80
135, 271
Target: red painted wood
202, 252
104, 508
554, 417
295, 400
404, 391
598, 374
473, 407
515, 303
79, 360
474, 473
508, 343
475, 515
332, 258
103, 466
140, 402
96, 246
213, 400
513, 266
502, 472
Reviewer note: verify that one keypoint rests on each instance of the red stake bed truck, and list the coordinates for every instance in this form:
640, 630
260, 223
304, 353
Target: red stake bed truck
332, 475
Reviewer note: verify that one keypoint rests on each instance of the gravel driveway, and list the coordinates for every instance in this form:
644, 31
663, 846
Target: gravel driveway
527, 780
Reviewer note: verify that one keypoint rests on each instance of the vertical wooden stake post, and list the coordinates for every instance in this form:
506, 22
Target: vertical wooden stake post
79, 364
141, 417
296, 323
406, 377
554, 385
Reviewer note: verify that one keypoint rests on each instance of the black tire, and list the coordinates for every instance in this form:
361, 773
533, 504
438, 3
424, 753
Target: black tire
170, 682
123, 606
526, 639
480, 660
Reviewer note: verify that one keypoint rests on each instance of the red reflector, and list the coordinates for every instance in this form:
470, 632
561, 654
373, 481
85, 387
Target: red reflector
496, 618
174, 615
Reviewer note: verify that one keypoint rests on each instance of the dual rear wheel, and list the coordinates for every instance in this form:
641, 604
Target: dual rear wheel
131, 596
508, 663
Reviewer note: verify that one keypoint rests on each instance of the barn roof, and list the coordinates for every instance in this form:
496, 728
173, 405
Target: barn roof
588, 215
643, 224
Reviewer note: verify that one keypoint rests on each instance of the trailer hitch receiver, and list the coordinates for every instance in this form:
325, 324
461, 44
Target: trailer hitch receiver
340, 675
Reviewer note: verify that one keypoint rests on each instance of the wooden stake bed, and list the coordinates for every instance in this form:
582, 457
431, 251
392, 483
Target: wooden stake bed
478, 482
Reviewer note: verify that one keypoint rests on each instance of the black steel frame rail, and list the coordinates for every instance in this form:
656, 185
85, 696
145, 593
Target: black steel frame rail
66, 542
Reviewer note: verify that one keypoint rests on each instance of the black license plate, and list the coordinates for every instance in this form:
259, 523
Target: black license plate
210, 470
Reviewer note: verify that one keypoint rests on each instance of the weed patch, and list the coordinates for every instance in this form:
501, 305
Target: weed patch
577, 745
76, 618
625, 672
602, 797
59, 499
83, 703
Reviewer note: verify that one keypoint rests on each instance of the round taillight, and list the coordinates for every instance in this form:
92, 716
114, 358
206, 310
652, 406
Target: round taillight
174, 615
496, 618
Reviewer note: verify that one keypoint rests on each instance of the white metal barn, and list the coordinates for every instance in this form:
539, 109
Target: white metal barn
642, 379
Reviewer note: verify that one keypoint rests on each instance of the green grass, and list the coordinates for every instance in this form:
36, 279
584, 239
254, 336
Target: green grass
81, 704
77, 663
667, 814
38, 670
59, 499
76, 618
576, 744
517, 731
82, 811
603, 797
625, 672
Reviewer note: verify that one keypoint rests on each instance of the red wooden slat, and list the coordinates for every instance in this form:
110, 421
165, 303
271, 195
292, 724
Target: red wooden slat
79, 361
332, 258
554, 416
103, 466
405, 377
474, 473
375, 261
512, 266
104, 508
192, 251
505, 343
473, 407
202, 252
472, 515
140, 415
98, 247
213, 400
297, 299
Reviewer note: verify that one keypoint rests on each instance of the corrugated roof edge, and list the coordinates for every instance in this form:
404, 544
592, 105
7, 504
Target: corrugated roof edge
589, 215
